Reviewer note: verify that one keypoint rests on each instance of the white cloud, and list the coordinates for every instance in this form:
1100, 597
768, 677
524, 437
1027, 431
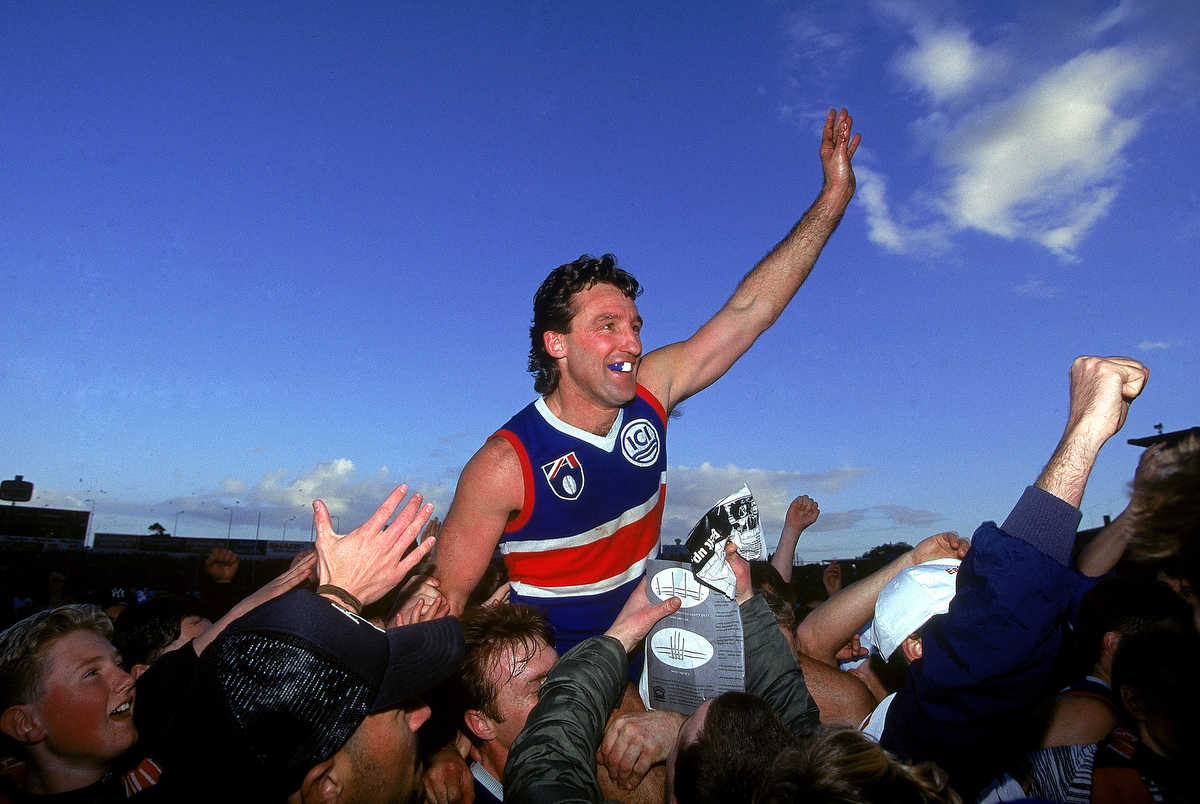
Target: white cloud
1038, 289
1044, 164
882, 227
1151, 346
947, 63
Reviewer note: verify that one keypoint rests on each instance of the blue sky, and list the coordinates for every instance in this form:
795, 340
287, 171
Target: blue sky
260, 253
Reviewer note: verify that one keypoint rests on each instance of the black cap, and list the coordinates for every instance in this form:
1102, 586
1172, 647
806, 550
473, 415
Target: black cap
286, 685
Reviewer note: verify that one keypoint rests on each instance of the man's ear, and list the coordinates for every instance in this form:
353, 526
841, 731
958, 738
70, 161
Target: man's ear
912, 648
322, 784
553, 341
480, 724
21, 723
1111, 640
1132, 701
137, 670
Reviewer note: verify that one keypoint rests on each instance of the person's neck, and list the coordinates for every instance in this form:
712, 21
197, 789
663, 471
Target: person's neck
580, 412
492, 757
46, 775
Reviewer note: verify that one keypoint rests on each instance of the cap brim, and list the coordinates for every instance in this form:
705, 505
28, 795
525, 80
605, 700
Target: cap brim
421, 656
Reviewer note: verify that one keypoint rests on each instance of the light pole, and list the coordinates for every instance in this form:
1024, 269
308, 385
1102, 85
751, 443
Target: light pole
289, 519
229, 532
337, 525
87, 535
175, 532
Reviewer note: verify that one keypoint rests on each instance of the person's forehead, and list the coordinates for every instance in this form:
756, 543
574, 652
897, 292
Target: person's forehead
601, 299
694, 724
77, 648
520, 660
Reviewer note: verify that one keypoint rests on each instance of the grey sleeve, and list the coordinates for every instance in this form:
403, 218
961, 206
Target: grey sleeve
553, 760
772, 672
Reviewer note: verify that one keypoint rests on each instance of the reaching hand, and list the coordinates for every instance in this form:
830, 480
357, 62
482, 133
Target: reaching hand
853, 650
634, 741
837, 149
448, 778
370, 560
1102, 389
741, 573
638, 616
801, 513
222, 565
419, 601
831, 578
941, 545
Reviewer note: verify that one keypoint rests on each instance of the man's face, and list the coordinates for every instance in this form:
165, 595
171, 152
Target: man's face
517, 684
87, 707
383, 752
606, 330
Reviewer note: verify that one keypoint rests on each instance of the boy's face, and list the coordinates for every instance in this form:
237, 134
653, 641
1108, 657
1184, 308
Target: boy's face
86, 709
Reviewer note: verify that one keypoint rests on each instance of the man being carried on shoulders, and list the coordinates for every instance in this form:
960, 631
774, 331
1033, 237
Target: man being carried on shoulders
571, 488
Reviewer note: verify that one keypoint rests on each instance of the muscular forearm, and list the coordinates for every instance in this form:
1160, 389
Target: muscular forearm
785, 553
831, 624
1104, 551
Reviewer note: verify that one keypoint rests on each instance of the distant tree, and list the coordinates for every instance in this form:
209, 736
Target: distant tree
887, 551
157, 529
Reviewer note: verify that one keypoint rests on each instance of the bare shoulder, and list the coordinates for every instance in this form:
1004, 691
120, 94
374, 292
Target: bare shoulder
493, 478
1075, 720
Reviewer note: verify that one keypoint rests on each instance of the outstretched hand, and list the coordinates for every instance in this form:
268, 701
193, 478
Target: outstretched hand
801, 513
837, 149
370, 560
638, 616
941, 545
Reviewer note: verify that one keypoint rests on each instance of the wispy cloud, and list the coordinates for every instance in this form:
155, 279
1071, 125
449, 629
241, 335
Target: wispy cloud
1038, 289
1017, 139
1153, 346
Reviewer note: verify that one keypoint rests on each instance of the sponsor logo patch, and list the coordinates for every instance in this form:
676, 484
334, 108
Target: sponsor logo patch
565, 476
639, 442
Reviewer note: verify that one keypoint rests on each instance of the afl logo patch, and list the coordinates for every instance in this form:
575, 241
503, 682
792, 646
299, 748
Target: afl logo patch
639, 442
565, 476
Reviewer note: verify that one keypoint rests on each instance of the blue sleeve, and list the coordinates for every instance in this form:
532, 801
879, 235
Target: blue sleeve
985, 662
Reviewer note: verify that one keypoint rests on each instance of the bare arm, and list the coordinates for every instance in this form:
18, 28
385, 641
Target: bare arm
831, 624
800, 514
675, 372
490, 492
1102, 389
1103, 552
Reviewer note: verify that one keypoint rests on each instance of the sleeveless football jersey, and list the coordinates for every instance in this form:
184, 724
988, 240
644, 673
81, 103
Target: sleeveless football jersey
591, 515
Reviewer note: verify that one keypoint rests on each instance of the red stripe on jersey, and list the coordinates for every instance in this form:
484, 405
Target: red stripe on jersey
589, 563
526, 475
652, 400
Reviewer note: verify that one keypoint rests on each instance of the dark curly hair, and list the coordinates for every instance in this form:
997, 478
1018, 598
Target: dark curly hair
552, 311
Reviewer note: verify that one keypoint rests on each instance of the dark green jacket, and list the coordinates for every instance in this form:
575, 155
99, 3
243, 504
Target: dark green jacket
553, 760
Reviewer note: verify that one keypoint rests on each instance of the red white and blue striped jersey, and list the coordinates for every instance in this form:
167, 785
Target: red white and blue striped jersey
591, 515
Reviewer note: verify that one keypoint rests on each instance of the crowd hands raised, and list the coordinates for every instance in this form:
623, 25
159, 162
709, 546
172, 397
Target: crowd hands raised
370, 671
931, 679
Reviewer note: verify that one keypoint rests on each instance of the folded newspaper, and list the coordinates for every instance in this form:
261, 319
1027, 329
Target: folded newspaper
733, 519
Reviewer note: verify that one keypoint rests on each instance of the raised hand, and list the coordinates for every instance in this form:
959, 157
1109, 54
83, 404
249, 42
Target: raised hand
222, 565
370, 560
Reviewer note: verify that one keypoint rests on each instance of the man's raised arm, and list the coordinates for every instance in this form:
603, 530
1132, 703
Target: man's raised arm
679, 370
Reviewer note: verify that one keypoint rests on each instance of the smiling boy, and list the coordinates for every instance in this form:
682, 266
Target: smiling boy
67, 703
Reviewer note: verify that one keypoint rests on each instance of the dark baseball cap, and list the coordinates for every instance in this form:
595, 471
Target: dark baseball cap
286, 685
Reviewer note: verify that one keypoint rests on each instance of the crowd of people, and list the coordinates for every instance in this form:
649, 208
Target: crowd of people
383, 667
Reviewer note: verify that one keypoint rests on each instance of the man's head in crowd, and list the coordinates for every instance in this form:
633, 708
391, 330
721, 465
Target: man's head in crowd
725, 749
508, 654
64, 697
160, 625
1168, 520
1155, 675
844, 765
1117, 608
554, 308
910, 600
304, 701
